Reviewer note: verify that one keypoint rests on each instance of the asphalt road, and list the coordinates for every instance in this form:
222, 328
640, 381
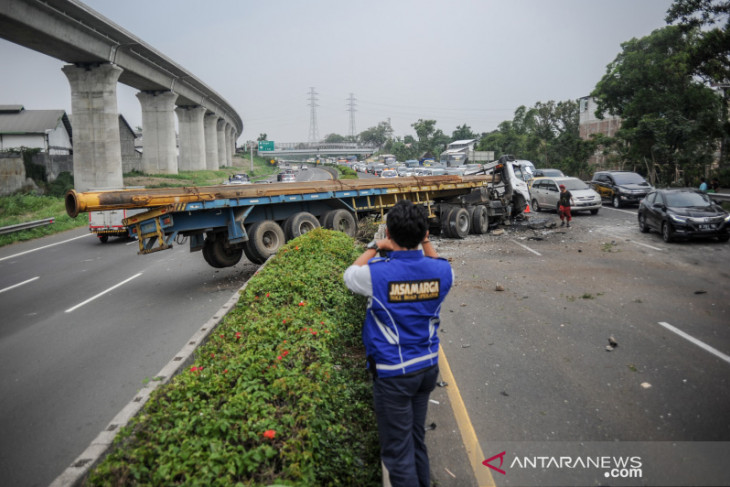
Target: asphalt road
531, 363
70, 365
83, 326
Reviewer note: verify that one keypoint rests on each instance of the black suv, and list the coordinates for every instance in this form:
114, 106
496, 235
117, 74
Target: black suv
620, 187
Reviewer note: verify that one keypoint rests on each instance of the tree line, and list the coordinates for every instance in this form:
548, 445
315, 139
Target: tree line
670, 90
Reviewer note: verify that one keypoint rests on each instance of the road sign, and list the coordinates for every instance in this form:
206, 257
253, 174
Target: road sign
266, 145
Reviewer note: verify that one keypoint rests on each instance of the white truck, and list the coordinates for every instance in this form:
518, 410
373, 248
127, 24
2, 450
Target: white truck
109, 223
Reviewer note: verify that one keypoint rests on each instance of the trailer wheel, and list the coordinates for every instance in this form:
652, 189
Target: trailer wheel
444, 217
341, 221
459, 222
217, 255
103, 238
479, 220
265, 238
299, 224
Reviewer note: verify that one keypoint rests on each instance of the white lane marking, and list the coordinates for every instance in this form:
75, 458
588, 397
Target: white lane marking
19, 284
622, 211
103, 293
645, 245
528, 248
41, 248
697, 342
612, 233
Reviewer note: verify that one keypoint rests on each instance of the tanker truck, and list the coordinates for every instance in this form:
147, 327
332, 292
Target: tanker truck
225, 223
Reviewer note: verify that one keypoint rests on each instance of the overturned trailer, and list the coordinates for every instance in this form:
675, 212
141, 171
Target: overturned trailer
255, 220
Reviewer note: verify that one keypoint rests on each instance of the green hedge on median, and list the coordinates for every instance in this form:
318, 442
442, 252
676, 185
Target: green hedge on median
278, 394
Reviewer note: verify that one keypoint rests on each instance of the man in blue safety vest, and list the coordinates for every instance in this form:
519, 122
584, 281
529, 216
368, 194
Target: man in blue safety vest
405, 291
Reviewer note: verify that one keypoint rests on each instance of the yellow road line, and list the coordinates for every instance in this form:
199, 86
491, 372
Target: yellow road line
468, 436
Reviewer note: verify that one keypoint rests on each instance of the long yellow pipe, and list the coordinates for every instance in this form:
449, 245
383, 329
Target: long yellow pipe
150, 198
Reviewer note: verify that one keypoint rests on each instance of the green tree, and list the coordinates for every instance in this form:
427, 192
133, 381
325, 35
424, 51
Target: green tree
334, 139
377, 135
669, 117
463, 133
711, 55
261, 137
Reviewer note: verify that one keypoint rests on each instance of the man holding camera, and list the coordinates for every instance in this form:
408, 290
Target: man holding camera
405, 291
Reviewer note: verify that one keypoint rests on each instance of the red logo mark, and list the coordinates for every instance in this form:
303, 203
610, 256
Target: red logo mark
501, 460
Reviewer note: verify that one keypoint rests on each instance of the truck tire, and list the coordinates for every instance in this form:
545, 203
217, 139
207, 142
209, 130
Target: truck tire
265, 238
299, 224
479, 220
518, 205
445, 218
459, 223
217, 255
341, 221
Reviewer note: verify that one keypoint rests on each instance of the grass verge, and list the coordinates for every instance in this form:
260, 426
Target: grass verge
278, 395
29, 207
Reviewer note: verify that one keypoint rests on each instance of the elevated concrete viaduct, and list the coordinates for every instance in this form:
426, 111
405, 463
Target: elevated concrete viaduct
101, 54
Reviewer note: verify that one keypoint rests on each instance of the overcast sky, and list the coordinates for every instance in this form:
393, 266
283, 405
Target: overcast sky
455, 61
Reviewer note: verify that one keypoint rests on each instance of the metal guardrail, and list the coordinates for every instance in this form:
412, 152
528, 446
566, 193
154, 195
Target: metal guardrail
719, 196
25, 226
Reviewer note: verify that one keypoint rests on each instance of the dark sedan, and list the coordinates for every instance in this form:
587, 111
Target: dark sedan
683, 214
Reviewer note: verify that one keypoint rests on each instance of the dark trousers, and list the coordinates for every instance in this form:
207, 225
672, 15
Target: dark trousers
400, 407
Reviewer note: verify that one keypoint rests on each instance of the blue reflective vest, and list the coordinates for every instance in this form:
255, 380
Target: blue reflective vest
403, 314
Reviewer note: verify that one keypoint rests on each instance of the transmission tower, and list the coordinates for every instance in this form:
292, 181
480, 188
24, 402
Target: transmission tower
313, 133
351, 108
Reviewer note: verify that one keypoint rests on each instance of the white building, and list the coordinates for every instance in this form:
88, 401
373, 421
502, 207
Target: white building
48, 130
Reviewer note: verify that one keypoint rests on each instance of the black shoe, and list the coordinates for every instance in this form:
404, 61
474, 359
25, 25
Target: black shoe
562, 224
568, 224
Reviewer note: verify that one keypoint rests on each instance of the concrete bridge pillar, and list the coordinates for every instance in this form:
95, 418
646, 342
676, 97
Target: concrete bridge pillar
159, 147
211, 141
221, 135
229, 145
97, 150
192, 138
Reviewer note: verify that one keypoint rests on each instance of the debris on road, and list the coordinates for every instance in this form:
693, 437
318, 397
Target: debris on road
499, 287
612, 341
442, 384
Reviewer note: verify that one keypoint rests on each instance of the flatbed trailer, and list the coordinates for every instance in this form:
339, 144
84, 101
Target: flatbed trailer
226, 222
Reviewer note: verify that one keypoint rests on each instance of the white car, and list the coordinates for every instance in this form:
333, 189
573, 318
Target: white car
389, 173
545, 193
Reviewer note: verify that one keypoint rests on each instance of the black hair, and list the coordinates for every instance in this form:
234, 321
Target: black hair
407, 224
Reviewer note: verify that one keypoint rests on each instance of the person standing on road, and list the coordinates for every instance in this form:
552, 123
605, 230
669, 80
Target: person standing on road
564, 203
714, 186
405, 291
703, 185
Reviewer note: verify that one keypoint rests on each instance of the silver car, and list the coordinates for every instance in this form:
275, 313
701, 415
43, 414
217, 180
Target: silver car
545, 193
